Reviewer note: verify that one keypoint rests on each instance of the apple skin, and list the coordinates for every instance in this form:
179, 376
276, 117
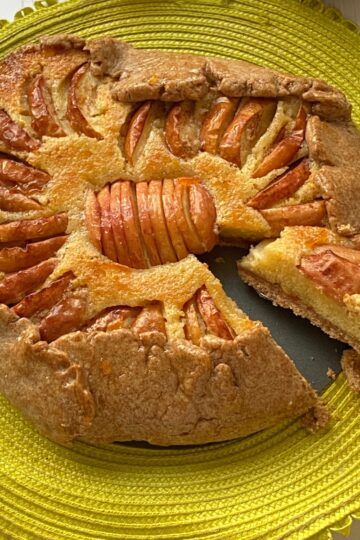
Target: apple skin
15, 136
158, 222
43, 299
177, 240
17, 258
281, 188
139, 129
131, 226
215, 123
107, 236
113, 318
331, 273
93, 220
177, 135
43, 120
33, 229
284, 151
150, 319
211, 316
310, 214
145, 223
73, 113
13, 287
192, 328
123, 256
203, 214
249, 123
27, 178
183, 215
11, 201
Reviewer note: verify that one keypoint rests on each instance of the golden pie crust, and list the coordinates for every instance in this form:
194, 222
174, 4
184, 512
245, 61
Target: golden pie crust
118, 166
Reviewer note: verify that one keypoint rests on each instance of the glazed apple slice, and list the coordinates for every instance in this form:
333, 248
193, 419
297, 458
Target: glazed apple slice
43, 117
192, 328
212, 317
107, 236
150, 319
345, 252
177, 240
113, 318
183, 216
13, 172
180, 131
203, 215
13, 287
249, 123
158, 222
74, 114
331, 273
17, 258
67, 315
43, 299
15, 136
284, 151
33, 229
93, 219
122, 251
312, 214
215, 123
145, 223
131, 225
139, 129
283, 187
16, 202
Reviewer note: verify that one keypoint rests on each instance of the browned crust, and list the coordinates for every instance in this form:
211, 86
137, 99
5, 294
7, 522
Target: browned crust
350, 362
274, 292
336, 149
147, 74
105, 387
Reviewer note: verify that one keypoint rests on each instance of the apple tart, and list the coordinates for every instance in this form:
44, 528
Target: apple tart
118, 166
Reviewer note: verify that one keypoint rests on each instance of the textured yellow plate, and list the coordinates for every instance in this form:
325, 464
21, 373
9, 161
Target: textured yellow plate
278, 484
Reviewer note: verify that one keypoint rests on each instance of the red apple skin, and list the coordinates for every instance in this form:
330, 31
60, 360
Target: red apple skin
15, 136
215, 123
107, 236
211, 315
123, 256
43, 121
76, 118
145, 223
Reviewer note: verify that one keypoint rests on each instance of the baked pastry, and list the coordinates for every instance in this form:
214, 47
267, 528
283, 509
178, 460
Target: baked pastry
313, 271
117, 166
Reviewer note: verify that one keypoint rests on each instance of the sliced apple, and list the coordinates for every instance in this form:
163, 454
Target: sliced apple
13, 287
122, 251
17, 258
113, 318
249, 123
145, 223
345, 252
334, 275
212, 317
16, 202
29, 178
192, 328
74, 114
68, 315
139, 129
158, 222
180, 131
43, 299
311, 214
150, 319
15, 136
283, 187
203, 215
183, 216
107, 236
32, 229
44, 121
176, 238
131, 225
215, 123
284, 151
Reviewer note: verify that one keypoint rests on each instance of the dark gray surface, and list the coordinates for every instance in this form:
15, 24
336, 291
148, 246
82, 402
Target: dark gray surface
312, 351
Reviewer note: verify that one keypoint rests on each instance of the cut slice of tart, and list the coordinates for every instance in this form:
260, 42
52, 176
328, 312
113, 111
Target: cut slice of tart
313, 271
